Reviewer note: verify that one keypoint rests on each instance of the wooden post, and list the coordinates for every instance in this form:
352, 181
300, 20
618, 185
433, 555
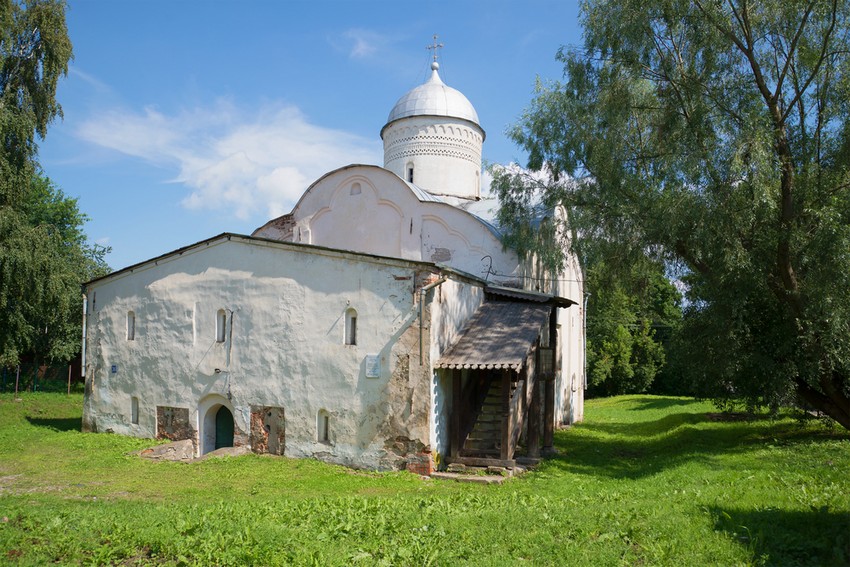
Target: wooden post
524, 402
534, 418
69, 379
17, 380
457, 395
506, 415
549, 403
549, 417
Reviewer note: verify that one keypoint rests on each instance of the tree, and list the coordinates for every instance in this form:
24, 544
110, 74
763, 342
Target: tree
43, 254
630, 297
34, 54
44, 259
627, 307
714, 136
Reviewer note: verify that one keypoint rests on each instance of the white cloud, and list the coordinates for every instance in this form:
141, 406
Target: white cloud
98, 85
230, 158
364, 43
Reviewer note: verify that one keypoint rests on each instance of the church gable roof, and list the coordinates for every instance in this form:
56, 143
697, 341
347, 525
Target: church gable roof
416, 191
284, 246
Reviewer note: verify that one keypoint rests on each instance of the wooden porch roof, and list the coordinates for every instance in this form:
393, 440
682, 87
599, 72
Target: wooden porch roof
500, 335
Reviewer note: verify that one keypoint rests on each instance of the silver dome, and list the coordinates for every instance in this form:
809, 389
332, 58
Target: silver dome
434, 98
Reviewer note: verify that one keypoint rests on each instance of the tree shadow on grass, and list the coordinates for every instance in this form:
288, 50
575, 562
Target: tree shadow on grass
672, 421
648, 428
638, 449
661, 403
58, 424
782, 537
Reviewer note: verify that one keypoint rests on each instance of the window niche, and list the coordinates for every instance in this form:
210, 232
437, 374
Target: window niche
323, 426
409, 170
220, 324
351, 326
134, 410
131, 326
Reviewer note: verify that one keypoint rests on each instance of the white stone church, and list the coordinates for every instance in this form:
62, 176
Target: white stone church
378, 325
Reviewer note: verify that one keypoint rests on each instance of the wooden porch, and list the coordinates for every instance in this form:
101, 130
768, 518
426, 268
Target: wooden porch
503, 391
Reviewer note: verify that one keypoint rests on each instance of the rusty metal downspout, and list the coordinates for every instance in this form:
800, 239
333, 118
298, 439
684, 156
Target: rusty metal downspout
424, 290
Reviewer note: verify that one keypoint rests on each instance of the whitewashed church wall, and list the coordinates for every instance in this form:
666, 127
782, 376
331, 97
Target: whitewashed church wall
569, 393
570, 284
573, 283
283, 348
569, 385
360, 209
455, 238
347, 210
369, 209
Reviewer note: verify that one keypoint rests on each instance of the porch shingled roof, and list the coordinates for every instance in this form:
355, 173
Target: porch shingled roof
500, 335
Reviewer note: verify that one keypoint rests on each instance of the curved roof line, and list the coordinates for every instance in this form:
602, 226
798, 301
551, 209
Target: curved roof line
421, 195
433, 97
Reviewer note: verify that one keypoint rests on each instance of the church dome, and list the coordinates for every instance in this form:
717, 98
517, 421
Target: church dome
434, 98
432, 139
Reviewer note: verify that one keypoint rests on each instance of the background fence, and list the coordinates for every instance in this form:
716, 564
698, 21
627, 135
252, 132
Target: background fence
41, 378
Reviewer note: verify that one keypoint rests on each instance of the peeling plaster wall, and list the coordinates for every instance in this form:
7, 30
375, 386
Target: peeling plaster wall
283, 349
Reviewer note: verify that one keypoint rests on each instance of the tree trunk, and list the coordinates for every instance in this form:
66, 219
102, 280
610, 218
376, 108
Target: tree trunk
833, 403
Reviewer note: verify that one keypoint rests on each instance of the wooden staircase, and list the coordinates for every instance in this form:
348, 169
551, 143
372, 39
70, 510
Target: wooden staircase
485, 437
488, 418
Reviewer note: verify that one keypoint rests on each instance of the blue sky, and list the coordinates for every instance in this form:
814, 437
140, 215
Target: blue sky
184, 119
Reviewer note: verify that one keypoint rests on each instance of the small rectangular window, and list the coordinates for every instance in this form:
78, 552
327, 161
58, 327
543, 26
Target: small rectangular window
220, 323
131, 326
323, 426
134, 410
350, 326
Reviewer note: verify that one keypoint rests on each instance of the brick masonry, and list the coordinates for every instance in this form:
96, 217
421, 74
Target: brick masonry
268, 431
421, 464
173, 424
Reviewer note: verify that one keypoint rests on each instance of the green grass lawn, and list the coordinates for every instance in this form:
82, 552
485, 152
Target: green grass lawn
644, 481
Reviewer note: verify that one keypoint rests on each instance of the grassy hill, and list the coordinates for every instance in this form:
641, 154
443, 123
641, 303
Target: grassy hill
644, 481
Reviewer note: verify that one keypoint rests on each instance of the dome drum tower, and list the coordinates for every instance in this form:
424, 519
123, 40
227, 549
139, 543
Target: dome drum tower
433, 139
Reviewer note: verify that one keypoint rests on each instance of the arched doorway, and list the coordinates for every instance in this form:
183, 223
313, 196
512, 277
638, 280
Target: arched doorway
216, 423
223, 428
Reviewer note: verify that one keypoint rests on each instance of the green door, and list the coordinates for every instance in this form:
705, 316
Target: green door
223, 428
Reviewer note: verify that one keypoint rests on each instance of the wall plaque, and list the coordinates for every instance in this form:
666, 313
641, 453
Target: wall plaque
373, 366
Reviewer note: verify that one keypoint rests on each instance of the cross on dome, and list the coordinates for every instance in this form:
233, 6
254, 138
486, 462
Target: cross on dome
433, 98
434, 47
